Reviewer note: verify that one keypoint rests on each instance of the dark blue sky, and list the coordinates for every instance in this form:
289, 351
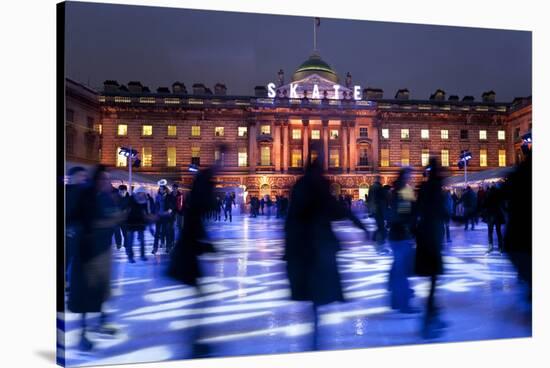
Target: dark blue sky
158, 46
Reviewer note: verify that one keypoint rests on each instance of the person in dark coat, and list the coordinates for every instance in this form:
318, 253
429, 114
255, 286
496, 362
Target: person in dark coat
449, 205
184, 259
469, 202
97, 214
138, 217
431, 213
78, 178
401, 239
494, 213
310, 244
377, 204
262, 204
518, 240
228, 202
123, 201
163, 210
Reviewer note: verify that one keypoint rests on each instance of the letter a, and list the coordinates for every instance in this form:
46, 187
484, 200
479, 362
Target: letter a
315, 94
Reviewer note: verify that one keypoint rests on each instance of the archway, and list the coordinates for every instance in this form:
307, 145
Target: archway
265, 189
363, 191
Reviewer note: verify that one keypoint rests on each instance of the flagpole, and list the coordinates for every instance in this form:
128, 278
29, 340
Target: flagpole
314, 34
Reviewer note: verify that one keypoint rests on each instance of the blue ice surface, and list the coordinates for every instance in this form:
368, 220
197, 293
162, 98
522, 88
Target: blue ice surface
245, 308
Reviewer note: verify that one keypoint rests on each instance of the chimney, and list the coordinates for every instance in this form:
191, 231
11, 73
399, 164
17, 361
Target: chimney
110, 86
453, 98
438, 95
373, 93
488, 96
163, 90
135, 87
402, 94
199, 89
468, 99
220, 89
179, 87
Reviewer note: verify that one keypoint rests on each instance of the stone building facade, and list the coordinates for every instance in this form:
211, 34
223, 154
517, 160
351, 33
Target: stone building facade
270, 139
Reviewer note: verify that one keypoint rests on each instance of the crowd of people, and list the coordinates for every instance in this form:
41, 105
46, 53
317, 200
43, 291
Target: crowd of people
414, 222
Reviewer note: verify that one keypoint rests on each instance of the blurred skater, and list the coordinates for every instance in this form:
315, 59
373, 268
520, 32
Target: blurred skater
431, 213
184, 260
98, 215
401, 238
518, 240
310, 244
137, 220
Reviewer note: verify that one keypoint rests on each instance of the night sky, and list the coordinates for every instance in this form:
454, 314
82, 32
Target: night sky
159, 46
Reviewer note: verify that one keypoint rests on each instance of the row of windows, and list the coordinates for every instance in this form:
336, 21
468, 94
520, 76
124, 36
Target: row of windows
171, 160
147, 130
425, 157
425, 134
171, 130
242, 157
296, 159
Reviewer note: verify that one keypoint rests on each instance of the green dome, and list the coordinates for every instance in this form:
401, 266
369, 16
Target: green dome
315, 65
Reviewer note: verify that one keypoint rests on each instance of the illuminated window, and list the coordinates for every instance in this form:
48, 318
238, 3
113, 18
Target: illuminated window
385, 133
482, 157
296, 158
147, 157
265, 129
218, 131
315, 134
445, 158
424, 134
242, 131
265, 156
463, 134
98, 128
482, 134
243, 157
425, 158
363, 132
296, 133
334, 158
196, 155
334, 134
501, 158
172, 131
405, 157
404, 133
122, 129
171, 156
147, 130
121, 161
501, 135
444, 134
384, 157
195, 131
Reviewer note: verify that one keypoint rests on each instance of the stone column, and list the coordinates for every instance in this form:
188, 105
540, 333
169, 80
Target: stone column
352, 147
285, 146
305, 142
277, 146
252, 146
375, 161
325, 144
344, 144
